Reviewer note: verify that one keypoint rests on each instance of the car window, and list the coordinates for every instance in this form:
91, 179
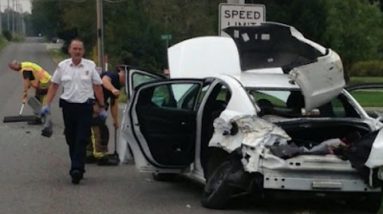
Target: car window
139, 78
276, 98
341, 107
290, 104
338, 108
371, 99
176, 95
223, 94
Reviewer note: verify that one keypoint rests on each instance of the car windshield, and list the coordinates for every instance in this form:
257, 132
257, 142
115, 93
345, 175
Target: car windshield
289, 103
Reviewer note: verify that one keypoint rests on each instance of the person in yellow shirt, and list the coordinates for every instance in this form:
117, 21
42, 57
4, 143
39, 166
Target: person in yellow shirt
33, 76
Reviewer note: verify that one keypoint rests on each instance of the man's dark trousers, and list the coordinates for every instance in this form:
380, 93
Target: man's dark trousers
77, 121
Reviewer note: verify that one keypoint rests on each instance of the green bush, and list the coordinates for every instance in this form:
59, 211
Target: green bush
3, 42
7, 35
367, 68
17, 38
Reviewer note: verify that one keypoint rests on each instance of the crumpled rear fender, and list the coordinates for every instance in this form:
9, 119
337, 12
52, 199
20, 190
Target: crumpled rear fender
248, 133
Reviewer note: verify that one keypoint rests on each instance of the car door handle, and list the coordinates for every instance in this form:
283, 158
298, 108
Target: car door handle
183, 123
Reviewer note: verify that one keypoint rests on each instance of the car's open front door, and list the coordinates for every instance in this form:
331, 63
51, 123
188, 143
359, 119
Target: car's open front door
163, 124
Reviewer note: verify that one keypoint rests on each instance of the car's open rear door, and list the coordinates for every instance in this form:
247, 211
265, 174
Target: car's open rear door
135, 77
162, 130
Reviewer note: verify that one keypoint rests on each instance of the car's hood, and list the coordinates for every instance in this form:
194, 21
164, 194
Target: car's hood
269, 47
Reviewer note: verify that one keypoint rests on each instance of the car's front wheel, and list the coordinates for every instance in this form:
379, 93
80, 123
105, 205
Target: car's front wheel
217, 191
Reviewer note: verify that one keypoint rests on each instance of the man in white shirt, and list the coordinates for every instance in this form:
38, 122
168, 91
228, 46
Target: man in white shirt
81, 83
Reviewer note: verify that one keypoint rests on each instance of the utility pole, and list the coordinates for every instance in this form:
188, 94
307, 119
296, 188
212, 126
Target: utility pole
8, 17
19, 17
1, 22
13, 16
100, 34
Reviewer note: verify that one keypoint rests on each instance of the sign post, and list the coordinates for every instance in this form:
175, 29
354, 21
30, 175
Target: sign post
240, 15
167, 38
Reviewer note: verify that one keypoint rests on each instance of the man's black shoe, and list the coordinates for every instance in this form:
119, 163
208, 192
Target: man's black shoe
109, 160
76, 176
90, 159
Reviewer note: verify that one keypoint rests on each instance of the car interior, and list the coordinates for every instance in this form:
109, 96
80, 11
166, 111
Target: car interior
294, 107
214, 106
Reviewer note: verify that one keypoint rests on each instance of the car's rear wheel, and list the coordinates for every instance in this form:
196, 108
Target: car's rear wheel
164, 177
217, 191
216, 157
366, 202
371, 202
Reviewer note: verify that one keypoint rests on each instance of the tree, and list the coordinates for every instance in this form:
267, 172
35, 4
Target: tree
133, 28
46, 17
353, 28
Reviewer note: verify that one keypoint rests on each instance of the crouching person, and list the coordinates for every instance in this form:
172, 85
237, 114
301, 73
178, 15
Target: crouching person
97, 150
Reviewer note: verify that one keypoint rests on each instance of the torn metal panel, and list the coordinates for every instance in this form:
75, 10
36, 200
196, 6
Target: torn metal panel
251, 158
320, 81
222, 137
253, 134
375, 159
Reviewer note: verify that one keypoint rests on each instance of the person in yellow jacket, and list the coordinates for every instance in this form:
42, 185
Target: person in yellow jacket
33, 76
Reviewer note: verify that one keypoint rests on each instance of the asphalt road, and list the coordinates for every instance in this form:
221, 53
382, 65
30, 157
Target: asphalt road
34, 170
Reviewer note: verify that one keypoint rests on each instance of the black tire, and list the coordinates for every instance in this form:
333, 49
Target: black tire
366, 202
217, 191
164, 177
216, 157
372, 203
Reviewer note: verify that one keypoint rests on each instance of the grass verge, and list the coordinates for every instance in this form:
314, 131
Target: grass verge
3, 42
56, 55
357, 80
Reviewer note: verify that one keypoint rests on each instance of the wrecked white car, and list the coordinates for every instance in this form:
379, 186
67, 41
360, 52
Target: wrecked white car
260, 110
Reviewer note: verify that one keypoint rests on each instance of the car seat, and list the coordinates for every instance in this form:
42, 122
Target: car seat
266, 107
295, 102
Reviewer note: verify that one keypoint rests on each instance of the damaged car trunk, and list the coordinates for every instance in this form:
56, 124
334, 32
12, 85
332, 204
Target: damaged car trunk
281, 156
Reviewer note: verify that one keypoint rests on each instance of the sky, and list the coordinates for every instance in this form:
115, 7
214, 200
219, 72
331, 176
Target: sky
25, 4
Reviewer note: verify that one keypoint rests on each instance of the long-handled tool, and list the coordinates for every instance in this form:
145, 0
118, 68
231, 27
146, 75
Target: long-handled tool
35, 104
21, 109
20, 117
111, 159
